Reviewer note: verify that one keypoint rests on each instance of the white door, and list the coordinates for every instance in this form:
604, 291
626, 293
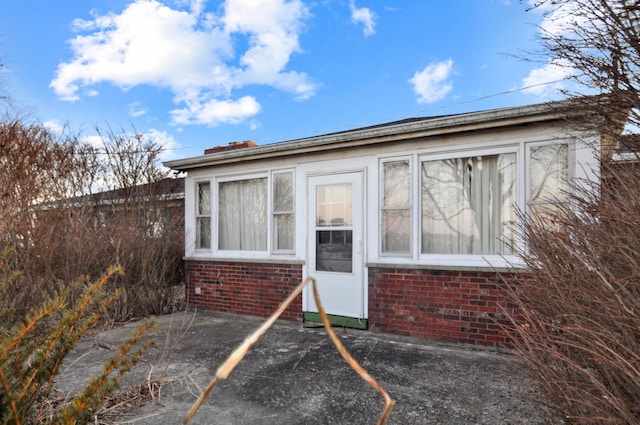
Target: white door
335, 249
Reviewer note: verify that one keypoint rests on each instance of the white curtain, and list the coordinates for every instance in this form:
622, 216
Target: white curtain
242, 215
468, 205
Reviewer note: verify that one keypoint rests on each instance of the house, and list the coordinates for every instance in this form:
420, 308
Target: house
158, 205
406, 226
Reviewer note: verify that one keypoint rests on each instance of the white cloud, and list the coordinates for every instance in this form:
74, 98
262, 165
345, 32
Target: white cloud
546, 80
272, 28
213, 112
553, 76
136, 109
191, 53
165, 140
54, 126
364, 16
431, 84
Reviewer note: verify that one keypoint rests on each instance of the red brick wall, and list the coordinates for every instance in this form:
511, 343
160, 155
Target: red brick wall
451, 306
254, 289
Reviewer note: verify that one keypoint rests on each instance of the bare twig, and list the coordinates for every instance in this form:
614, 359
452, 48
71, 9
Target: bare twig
232, 361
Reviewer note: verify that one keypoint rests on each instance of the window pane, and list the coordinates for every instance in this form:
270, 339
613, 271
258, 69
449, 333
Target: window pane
203, 229
396, 225
203, 216
396, 184
283, 231
283, 192
468, 205
334, 205
204, 198
334, 251
549, 172
242, 216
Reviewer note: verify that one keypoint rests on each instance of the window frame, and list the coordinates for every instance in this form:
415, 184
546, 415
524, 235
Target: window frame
409, 207
273, 213
570, 143
480, 259
521, 147
215, 181
215, 236
197, 215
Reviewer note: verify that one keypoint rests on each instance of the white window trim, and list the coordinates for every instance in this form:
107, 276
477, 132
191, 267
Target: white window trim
521, 147
196, 198
412, 201
527, 157
214, 253
272, 240
469, 260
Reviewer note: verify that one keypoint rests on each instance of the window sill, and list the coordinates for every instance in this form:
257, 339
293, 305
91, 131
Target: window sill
264, 260
476, 264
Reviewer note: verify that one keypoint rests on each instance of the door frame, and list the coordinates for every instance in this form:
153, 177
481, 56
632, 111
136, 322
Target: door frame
358, 317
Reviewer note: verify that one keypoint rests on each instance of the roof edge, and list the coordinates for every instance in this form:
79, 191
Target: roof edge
429, 126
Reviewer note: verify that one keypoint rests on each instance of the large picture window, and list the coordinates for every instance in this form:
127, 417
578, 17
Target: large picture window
468, 205
242, 215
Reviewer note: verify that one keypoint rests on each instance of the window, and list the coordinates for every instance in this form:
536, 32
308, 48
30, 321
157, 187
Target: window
334, 227
254, 213
396, 207
468, 205
283, 218
548, 178
242, 215
203, 215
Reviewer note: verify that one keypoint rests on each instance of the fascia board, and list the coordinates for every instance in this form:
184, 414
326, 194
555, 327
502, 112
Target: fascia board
448, 125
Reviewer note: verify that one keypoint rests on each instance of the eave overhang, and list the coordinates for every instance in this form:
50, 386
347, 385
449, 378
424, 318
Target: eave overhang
371, 136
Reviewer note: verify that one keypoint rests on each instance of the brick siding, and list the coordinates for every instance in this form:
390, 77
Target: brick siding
253, 289
449, 306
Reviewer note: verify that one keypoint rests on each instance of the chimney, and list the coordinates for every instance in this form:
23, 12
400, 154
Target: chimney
230, 146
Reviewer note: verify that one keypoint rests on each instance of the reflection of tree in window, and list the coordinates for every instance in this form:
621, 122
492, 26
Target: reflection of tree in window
396, 207
549, 178
203, 216
283, 217
468, 205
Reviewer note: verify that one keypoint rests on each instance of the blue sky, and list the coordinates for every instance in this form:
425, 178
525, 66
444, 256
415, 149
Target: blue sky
194, 74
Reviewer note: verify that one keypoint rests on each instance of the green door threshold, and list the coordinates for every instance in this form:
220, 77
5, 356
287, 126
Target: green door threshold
342, 321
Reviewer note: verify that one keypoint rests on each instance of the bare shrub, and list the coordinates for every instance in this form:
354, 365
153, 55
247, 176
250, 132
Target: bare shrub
580, 333
62, 229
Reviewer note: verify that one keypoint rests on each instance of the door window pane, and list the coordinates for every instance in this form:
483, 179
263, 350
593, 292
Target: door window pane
468, 205
334, 233
334, 205
334, 251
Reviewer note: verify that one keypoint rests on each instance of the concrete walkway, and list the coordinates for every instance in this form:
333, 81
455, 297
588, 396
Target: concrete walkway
294, 375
